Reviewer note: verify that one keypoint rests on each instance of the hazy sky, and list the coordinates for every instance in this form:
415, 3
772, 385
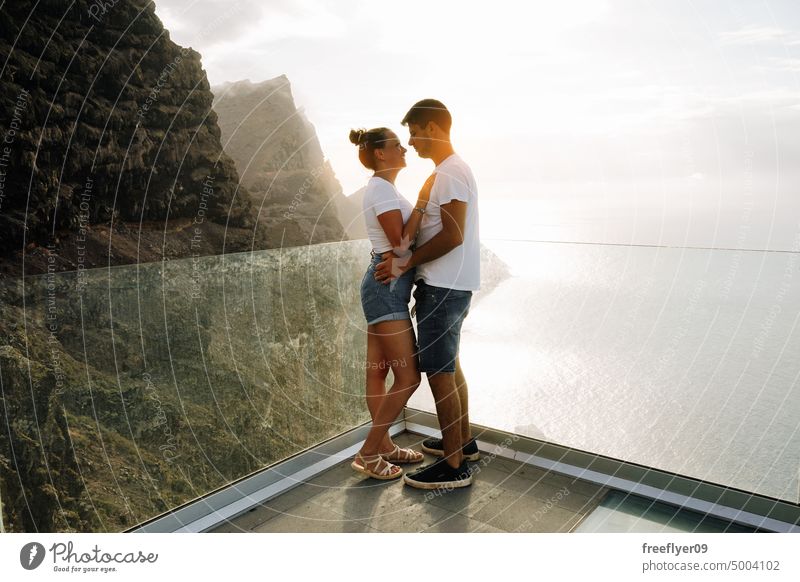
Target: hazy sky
669, 122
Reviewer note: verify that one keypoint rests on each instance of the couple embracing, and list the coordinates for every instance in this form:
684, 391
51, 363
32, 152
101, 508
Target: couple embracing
435, 246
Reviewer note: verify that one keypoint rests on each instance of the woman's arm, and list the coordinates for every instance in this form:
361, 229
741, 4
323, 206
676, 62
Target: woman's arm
401, 236
392, 224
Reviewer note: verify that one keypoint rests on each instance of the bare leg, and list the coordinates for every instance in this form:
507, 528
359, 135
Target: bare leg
448, 409
396, 341
461, 385
377, 368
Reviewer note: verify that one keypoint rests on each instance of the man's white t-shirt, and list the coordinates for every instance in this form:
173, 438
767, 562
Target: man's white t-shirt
460, 268
379, 197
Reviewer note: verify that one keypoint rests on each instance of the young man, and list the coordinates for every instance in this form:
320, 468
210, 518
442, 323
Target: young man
447, 258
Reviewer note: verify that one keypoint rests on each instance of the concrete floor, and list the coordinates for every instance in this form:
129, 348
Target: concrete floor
506, 496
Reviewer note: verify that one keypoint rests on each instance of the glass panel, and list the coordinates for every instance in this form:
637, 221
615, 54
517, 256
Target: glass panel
681, 359
624, 513
128, 391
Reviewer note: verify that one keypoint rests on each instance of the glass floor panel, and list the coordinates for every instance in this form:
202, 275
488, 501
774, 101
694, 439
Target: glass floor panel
621, 512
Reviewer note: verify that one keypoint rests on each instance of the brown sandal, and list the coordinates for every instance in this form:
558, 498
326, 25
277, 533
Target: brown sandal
386, 472
400, 456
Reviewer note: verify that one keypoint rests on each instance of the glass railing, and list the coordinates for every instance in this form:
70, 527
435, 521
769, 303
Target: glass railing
685, 360
131, 390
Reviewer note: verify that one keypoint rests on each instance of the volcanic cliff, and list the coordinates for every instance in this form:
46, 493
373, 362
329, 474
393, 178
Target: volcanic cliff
110, 148
280, 162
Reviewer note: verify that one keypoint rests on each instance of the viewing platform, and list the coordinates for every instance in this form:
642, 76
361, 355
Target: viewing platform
512, 492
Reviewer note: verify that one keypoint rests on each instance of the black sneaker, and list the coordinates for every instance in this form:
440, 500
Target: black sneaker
439, 475
435, 447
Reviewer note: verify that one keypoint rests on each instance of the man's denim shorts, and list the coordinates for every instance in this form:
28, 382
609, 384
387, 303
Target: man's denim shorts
385, 302
440, 313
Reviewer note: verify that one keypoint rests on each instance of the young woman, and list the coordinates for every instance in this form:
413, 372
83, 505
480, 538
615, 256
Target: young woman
392, 224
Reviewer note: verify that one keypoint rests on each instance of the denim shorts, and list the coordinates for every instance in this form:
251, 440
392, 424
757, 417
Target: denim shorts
385, 302
440, 313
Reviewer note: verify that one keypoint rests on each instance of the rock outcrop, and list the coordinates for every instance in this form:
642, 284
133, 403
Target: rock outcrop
351, 213
107, 122
280, 162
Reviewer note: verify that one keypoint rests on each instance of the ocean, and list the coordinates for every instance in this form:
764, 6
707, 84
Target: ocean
682, 359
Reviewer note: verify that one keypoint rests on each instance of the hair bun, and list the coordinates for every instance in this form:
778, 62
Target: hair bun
357, 136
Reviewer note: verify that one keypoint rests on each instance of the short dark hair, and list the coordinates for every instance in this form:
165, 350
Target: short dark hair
429, 110
368, 141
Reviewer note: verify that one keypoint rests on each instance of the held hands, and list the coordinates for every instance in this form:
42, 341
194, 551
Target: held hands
392, 267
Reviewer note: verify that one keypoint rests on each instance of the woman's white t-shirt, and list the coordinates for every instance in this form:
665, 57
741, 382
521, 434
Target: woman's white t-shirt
381, 196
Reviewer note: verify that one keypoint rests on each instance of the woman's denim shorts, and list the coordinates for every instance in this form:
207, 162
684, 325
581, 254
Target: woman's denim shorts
383, 302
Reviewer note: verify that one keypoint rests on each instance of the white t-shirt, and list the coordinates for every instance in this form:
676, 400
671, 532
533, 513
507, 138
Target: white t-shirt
460, 268
381, 196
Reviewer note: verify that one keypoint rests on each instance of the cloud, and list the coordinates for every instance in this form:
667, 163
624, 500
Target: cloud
766, 99
781, 64
207, 22
753, 35
204, 23
469, 27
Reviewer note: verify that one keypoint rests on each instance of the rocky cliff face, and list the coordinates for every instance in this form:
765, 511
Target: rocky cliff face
107, 124
280, 161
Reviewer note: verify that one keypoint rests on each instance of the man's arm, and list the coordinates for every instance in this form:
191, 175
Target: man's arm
454, 216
